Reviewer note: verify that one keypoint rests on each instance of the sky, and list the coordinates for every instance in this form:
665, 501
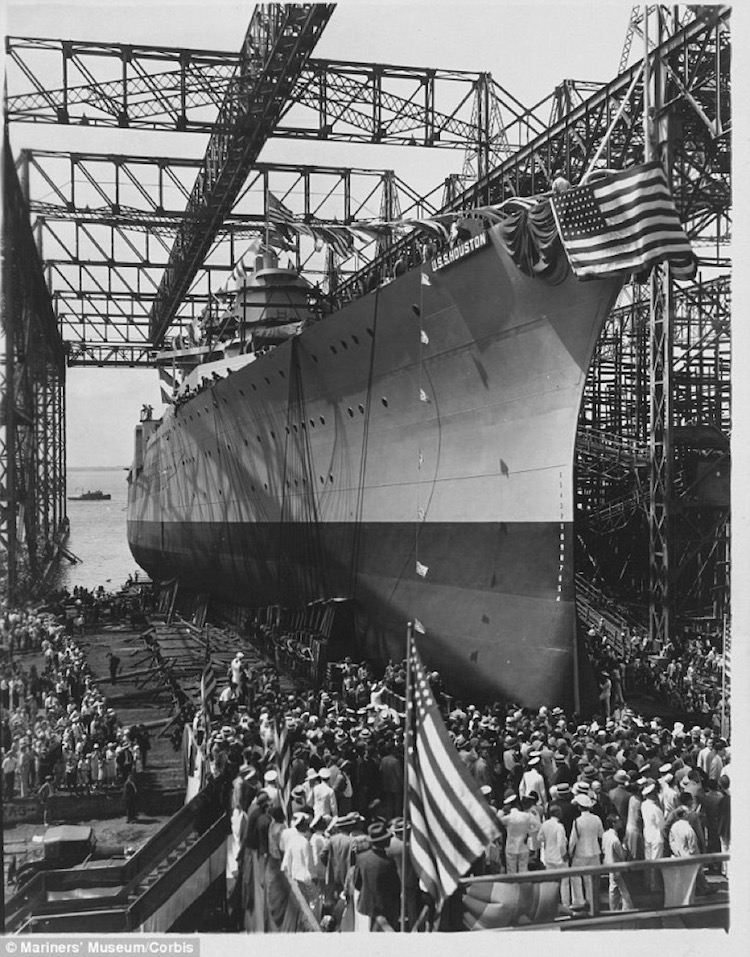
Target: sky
528, 49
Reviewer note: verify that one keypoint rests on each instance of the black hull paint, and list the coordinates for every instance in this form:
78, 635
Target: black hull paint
498, 579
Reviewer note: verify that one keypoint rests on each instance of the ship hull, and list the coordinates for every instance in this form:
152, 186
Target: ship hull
413, 452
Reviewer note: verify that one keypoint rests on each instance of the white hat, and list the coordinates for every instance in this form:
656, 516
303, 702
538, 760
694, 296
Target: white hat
270, 776
649, 788
583, 800
324, 773
486, 790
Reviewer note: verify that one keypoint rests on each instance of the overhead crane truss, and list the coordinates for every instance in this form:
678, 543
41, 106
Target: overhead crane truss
107, 222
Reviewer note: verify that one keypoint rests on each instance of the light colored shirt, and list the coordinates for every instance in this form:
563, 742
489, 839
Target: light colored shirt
553, 843
653, 822
519, 826
612, 849
297, 862
682, 839
586, 835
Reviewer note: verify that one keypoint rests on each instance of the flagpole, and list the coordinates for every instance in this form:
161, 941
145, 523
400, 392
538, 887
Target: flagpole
407, 745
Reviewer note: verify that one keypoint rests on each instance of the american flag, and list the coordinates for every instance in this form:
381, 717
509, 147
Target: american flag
208, 686
283, 763
278, 213
451, 823
623, 222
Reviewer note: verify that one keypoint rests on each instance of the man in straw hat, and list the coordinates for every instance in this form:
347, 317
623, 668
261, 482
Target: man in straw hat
585, 845
377, 879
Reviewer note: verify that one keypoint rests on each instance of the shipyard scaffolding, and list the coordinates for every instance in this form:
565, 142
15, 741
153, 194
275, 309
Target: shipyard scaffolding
130, 267
33, 522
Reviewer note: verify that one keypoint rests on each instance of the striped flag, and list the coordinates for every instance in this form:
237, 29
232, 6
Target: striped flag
208, 686
451, 823
623, 222
167, 384
278, 213
283, 763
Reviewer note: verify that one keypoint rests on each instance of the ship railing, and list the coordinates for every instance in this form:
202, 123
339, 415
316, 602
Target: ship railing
538, 906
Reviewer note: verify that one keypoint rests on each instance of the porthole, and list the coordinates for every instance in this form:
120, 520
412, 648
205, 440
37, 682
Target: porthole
344, 344
361, 408
384, 401
255, 387
281, 373
265, 486
295, 429
258, 437
313, 357
273, 435
312, 423
333, 350
355, 340
350, 411
370, 333
268, 381
322, 420
242, 393
322, 480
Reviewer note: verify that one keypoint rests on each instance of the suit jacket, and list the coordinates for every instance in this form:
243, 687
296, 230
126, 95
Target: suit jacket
378, 881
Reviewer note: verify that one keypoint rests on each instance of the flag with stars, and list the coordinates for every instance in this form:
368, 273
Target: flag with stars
451, 823
623, 222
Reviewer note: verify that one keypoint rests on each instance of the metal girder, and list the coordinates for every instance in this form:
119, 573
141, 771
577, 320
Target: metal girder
614, 502
104, 257
32, 436
153, 190
278, 42
176, 89
697, 103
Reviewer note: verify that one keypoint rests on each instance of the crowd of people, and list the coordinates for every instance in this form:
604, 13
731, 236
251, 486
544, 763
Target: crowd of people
566, 792
685, 674
58, 732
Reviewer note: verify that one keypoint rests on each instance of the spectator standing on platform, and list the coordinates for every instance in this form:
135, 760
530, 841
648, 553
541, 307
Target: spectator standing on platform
114, 664
584, 846
130, 797
519, 825
614, 853
377, 879
653, 832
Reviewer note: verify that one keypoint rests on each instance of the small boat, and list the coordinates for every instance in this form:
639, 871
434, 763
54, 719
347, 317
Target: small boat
96, 496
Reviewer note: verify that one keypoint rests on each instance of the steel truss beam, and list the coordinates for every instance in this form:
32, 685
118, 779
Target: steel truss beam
104, 254
173, 89
153, 190
697, 107
278, 42
32, 418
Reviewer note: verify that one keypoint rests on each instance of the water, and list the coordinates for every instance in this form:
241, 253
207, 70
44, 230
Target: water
97, 532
